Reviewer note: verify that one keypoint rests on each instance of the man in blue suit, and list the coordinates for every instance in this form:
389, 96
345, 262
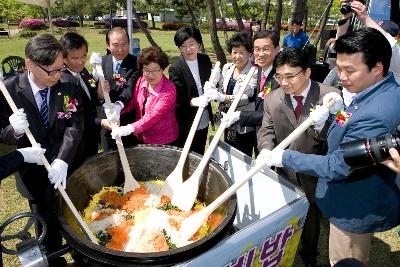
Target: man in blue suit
356, 202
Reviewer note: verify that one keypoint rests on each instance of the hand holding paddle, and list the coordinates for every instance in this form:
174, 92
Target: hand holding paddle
175, 178
191, 224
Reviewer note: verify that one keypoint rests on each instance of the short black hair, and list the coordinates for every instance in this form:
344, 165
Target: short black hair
368, 41
152, 54
113, 30
294, 57
297, 21
238, 39
273, 35
255, 22
43, 49
72, 41
185, 33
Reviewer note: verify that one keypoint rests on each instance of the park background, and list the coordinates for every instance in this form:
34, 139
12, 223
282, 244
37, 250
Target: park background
90, 18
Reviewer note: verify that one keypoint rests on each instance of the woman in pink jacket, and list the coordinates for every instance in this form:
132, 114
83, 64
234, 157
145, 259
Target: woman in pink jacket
154, 101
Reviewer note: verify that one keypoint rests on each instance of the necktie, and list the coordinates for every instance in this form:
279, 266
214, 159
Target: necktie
299, 107
83, 84
117, 66
262, 82
44, 109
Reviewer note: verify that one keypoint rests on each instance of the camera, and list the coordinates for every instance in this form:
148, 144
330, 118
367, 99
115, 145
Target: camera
363, 153
346, 7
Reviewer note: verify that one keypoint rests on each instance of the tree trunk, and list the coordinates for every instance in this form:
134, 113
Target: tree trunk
305, 20
214, 37
153, 22
298, 9
142, 28
238, 17
264, 21
278, 16
222, 14
323, 22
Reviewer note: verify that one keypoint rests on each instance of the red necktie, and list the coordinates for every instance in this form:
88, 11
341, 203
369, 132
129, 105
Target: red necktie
299, 107
262, 82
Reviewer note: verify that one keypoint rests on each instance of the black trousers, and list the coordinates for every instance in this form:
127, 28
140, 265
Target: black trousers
244, 142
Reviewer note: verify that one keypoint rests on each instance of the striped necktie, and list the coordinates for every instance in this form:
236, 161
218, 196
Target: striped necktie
44, 109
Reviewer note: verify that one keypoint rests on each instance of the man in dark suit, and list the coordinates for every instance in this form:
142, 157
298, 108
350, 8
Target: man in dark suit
357, 202
189, 74
121, 73
284, 109
266, 46
75, 57
12, 161
42, 93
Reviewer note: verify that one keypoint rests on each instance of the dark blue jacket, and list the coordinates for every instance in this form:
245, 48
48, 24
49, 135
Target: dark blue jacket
361, 201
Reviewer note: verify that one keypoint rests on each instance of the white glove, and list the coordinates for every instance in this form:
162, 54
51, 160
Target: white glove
122, 131
200, 101
19, 121
58, 173
209, 86
95, 58
112, 112
347, 97
271, 158
32, 154
230, 118
319, 115
213, 94
338, 105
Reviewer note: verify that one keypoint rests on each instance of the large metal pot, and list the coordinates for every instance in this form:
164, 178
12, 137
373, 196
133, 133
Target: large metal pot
147, 162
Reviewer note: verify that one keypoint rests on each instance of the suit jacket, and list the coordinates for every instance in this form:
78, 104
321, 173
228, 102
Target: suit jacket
244, 104
254, 118
279, 121
365, 200
128, 70
91, 134
60, 139
186, 89
10, 163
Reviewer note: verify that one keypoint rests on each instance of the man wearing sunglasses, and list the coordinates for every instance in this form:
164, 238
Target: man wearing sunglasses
49, 105
284, 110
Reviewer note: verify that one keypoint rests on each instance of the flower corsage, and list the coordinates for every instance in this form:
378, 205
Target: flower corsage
69, 107
342, 117
120, 81
92, 82
265, 90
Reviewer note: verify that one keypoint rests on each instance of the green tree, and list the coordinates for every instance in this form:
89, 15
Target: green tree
13, 11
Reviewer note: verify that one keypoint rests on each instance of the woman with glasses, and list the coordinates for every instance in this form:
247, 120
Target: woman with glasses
189, 73
153, 100
232, 79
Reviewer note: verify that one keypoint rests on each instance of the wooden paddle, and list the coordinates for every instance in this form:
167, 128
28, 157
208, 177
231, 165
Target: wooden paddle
190, 225
46, 164
130, 183
175, 178
185, 194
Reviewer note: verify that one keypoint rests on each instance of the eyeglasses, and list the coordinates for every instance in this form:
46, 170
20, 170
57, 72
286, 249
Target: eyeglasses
147, 72
286, 77
52, 72
190, 46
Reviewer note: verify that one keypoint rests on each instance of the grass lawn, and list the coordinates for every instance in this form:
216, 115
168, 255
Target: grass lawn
385, 246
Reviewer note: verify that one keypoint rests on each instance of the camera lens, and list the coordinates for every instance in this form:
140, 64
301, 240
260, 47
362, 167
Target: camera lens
346, 8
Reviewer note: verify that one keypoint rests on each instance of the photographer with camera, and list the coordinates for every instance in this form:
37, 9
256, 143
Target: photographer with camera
363, 201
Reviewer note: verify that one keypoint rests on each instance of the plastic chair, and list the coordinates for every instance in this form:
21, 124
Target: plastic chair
12, 65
